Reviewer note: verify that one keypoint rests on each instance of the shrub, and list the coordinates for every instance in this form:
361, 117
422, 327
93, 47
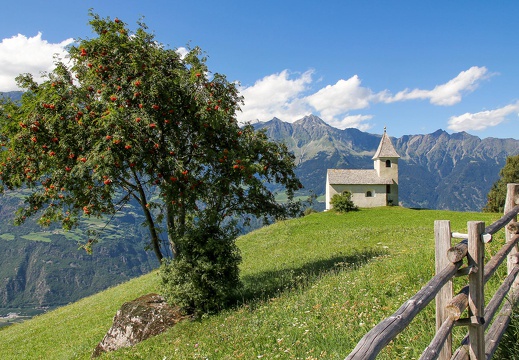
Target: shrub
309, 211
204, 278
342, 202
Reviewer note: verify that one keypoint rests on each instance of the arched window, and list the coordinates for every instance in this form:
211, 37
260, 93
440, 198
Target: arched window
369, 194
388, 163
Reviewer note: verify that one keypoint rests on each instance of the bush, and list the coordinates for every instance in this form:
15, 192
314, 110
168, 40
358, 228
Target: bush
205, 276
342, 202
309, 211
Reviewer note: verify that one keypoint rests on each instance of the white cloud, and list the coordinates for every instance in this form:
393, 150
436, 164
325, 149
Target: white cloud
20, 54
287, 97
483, 119
275, 95
446, 94
337, 99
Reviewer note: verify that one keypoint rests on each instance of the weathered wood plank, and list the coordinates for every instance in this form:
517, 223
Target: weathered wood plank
432, 352
495, 332
505, 219
442, 235
462, 299
499, 296
513, 227
476, 289
458, 251
498, 328
507, 249
457, 305
512, 201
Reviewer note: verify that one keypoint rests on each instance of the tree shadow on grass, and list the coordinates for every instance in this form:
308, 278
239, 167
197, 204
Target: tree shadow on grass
271, 284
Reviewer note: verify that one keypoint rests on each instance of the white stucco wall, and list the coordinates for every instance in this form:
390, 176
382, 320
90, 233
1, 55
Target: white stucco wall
358, 194
387, 172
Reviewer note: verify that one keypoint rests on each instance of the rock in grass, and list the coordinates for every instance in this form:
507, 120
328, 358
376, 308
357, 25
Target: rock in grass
138, 320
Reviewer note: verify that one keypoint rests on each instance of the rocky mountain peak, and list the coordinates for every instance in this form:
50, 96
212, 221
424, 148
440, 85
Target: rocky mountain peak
311, 120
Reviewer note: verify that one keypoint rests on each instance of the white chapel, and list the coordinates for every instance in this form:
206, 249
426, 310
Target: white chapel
369, 188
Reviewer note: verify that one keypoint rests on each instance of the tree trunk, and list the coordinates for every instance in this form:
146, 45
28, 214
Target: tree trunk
155, 241
171, 230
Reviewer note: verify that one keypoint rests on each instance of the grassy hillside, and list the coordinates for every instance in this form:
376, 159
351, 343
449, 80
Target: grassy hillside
313, 287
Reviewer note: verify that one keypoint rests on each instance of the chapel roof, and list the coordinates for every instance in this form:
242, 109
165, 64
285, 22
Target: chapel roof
385, 148
355, 176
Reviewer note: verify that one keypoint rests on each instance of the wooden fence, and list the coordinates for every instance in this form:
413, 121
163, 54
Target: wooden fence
449, 309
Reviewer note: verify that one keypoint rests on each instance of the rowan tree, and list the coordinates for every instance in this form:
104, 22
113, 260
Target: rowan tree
132, 119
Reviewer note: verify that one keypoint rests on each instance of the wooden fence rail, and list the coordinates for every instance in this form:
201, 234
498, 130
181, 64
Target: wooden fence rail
449, 308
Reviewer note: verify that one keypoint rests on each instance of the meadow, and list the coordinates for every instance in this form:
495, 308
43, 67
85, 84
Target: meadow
313, 286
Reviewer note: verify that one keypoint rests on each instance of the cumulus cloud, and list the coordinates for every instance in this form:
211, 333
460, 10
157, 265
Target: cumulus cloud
21, 54
289, 97
345, 95
446, 94
276, 95
483, 119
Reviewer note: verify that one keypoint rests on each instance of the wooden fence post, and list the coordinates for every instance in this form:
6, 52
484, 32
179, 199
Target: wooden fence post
512, 199
442, 235
476, 252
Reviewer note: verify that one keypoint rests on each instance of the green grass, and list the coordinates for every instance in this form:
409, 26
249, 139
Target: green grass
313, 287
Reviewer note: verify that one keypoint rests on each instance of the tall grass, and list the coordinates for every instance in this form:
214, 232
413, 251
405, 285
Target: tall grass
313, 287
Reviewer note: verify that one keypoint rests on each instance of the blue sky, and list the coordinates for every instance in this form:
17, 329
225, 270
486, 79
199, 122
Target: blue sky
413, 66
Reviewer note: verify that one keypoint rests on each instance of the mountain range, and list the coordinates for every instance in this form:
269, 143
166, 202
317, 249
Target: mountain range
436, 171
44, 267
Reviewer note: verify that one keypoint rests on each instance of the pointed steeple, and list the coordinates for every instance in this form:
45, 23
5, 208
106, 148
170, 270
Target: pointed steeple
385, 148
